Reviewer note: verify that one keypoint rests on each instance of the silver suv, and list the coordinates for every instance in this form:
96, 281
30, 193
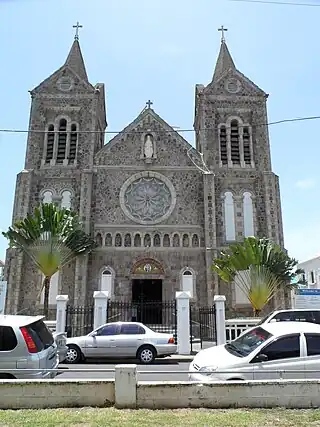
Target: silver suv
26, 343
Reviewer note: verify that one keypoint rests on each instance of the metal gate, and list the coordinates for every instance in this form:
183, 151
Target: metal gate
202, 327
79, 320
160, 316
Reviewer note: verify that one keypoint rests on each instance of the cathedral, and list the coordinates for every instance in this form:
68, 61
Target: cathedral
159, 209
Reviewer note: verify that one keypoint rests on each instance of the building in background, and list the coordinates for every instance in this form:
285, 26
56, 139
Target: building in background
1, 270
157, 219
311, 274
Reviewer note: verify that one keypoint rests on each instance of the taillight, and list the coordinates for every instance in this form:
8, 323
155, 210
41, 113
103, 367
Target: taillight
171, 340
32, 348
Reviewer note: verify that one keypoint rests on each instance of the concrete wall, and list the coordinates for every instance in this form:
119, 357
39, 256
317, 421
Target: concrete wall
37, 394
42, 394
262, 394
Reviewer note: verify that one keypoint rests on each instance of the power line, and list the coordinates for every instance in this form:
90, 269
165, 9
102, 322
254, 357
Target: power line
277, 122
277, 2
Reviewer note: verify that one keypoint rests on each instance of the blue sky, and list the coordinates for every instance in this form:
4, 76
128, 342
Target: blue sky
159, 49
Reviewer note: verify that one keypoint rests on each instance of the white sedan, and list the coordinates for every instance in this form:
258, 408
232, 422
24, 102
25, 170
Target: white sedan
121, 340
269, 351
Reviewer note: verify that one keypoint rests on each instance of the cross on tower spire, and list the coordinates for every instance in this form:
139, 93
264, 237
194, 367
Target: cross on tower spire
149, 103
77, 26
222, 29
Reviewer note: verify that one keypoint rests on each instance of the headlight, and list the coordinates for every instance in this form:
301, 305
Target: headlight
208, 370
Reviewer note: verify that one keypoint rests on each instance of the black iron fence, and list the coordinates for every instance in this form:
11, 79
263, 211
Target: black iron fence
202, 326
161, 316
79, 320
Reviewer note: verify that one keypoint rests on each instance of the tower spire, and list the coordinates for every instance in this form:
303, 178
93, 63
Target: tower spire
225, 61
75, 58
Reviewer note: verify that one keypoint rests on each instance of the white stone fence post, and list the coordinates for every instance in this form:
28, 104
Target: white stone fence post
62, 301
183, 322
100, 308
219, 301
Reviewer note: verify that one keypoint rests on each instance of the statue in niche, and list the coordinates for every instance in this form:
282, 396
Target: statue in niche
148, 146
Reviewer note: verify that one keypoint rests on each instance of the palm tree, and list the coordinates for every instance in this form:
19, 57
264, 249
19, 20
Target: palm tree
259, 267
51, 237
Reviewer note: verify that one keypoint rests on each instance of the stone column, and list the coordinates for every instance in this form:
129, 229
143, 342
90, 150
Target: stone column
183, 322
62, 301
219, 301
81, 270
126, 386
14, 257
210, 234
100, 308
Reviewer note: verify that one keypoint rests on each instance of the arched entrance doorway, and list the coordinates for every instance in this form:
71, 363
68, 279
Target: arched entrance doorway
147, 276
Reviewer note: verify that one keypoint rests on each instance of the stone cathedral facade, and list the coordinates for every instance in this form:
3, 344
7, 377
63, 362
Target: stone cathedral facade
159, 210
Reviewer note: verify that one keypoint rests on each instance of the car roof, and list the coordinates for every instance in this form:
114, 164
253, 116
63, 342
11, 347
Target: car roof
294, 309
16, 320
282, 328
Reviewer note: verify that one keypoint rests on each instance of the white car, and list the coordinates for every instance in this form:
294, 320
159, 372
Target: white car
280, 346
121, 340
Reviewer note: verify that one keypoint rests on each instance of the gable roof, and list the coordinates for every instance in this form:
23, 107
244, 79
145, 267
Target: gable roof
143, 114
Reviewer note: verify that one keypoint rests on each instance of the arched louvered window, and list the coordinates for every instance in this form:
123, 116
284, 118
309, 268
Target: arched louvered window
62, 141
246, 146
235, 142
73, 143
229, 217
248, 219
50, 143
223, 145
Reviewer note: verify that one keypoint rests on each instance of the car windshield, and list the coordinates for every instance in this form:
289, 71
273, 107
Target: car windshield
248, 342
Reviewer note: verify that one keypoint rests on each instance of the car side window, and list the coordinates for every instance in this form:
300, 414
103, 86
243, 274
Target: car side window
294, 316
108, 330
132, 330
283, 348
8, 339
316, 315
313, 344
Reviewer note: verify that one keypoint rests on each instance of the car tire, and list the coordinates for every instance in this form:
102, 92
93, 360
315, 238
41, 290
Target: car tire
146, 354
73, 355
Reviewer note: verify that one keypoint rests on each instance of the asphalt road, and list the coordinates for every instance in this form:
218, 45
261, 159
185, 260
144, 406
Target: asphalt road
144, 371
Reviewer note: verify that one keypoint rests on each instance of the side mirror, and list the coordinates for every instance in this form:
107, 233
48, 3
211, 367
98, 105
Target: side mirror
94, 334
261, 358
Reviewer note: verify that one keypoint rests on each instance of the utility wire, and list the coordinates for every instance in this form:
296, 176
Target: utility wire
277, 2
297, 119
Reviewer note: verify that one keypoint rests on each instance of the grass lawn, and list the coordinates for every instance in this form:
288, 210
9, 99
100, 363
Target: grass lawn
184, 417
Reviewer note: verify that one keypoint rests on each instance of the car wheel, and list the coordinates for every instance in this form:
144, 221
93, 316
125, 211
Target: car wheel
146, 354
73, 355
